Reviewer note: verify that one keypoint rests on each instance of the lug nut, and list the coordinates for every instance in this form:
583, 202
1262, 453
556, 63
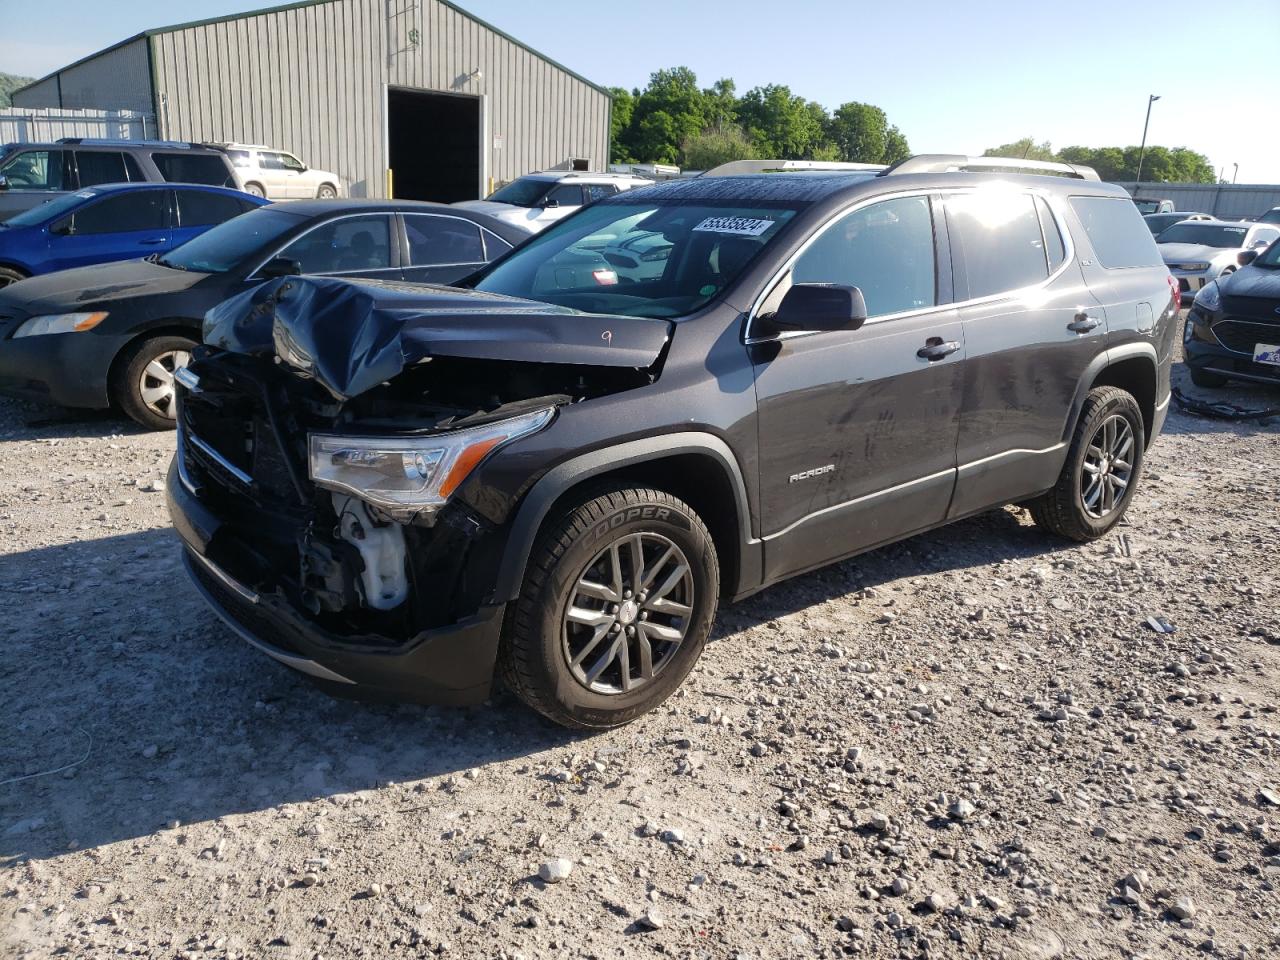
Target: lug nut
626, 594
644, 614
631, 631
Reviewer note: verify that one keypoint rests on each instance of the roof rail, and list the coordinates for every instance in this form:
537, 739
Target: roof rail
124, 141
958, 163
736, 168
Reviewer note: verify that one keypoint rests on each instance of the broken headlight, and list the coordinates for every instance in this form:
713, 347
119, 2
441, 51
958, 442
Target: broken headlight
416, 473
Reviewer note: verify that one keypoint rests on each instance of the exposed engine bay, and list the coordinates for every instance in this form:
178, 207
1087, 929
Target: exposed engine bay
331, 449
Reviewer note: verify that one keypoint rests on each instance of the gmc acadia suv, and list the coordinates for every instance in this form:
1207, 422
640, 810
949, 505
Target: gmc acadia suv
554, 473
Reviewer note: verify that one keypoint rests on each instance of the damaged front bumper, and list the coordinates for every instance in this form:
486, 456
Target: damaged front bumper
450, 665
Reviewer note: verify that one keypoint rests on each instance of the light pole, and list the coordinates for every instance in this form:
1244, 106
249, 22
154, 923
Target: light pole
1142, 151
1235, 173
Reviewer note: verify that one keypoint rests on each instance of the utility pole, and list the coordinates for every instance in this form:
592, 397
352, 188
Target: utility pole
1142, 151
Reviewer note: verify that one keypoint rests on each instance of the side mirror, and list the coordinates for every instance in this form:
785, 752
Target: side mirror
4, 183
280, 267
821, 306
549, 204
1246, 257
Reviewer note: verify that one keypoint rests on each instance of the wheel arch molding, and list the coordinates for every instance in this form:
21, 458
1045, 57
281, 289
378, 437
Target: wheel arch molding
665, 462
1133, 367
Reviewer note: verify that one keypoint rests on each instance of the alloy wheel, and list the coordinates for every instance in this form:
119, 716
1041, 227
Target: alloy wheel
628, 613
1107, 469
156, 386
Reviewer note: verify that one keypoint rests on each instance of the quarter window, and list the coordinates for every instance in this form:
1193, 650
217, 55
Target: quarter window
442, 240
122, 213
1000, 239
885, 250
208, 168
598, 191
35, 170
1116, 232
350, 244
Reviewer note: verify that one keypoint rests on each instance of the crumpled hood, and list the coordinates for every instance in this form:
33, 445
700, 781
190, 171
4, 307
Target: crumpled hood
1192, 252
100, 285
353, 335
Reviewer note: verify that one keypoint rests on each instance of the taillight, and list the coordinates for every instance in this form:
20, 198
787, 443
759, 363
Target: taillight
1174, 292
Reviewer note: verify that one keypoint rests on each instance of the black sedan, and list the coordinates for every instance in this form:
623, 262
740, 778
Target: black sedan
114, 334
1233, 328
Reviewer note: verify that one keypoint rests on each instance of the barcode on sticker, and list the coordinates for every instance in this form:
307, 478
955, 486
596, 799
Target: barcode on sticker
741, 226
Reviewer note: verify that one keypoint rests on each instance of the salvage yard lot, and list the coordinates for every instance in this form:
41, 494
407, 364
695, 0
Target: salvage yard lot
963, 745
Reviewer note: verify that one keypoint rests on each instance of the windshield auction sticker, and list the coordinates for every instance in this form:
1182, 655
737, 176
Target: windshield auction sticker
739, 226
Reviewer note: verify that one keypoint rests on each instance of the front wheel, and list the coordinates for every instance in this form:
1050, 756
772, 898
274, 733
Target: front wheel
615, 609
255, 189
1102, 469
326, 192
8, 276
143, 385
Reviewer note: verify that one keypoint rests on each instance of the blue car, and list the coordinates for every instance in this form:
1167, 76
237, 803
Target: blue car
117, 221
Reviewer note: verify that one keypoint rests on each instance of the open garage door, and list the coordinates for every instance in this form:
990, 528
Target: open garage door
434, 145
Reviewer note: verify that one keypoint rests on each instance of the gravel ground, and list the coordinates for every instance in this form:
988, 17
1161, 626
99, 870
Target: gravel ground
964, 745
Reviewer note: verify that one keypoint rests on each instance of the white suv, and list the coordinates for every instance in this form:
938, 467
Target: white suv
538, 199
277, 175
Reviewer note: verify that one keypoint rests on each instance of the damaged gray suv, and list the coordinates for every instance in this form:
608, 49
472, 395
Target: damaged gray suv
553, 473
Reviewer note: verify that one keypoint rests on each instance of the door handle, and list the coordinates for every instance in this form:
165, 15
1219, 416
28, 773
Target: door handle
935, 348
153, 241
1083, 323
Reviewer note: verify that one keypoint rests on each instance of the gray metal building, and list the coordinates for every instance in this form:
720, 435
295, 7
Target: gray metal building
411, 98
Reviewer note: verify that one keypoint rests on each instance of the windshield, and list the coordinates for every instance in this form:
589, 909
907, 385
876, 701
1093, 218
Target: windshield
1269, 257
638, 259
525, 192
1147, 206
1205, 234
224, 247
47, 211
1158, 222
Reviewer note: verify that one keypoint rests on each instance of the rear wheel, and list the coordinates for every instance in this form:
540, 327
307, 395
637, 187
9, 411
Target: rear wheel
9, 276
1102, 469
615, 609
143, 385
1206, 378
255, 189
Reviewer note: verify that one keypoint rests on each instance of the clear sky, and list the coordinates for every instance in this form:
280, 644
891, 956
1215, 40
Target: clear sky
955, 77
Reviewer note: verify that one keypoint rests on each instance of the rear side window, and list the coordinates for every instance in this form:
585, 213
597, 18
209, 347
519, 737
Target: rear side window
442, 240
1119, 237
122, 213
101, 167
196, 208
1000, 239
193, 168
495, 246
566, 194
239, 158
598, 191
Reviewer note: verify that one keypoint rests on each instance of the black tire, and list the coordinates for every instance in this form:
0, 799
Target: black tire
1062, 510
126, 387
9, 276
256, 189
534, 658
1206, 378
327, 191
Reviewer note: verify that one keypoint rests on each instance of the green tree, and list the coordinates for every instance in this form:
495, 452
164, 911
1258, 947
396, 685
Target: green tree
782, 125
1024, 149
720, 105
670, 110
713, 147
860, 132
10, 83
656, 138
624, 105
895, 146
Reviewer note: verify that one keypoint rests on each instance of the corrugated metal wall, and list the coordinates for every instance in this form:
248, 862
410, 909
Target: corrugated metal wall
119, 78
312, 79
1225, 200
